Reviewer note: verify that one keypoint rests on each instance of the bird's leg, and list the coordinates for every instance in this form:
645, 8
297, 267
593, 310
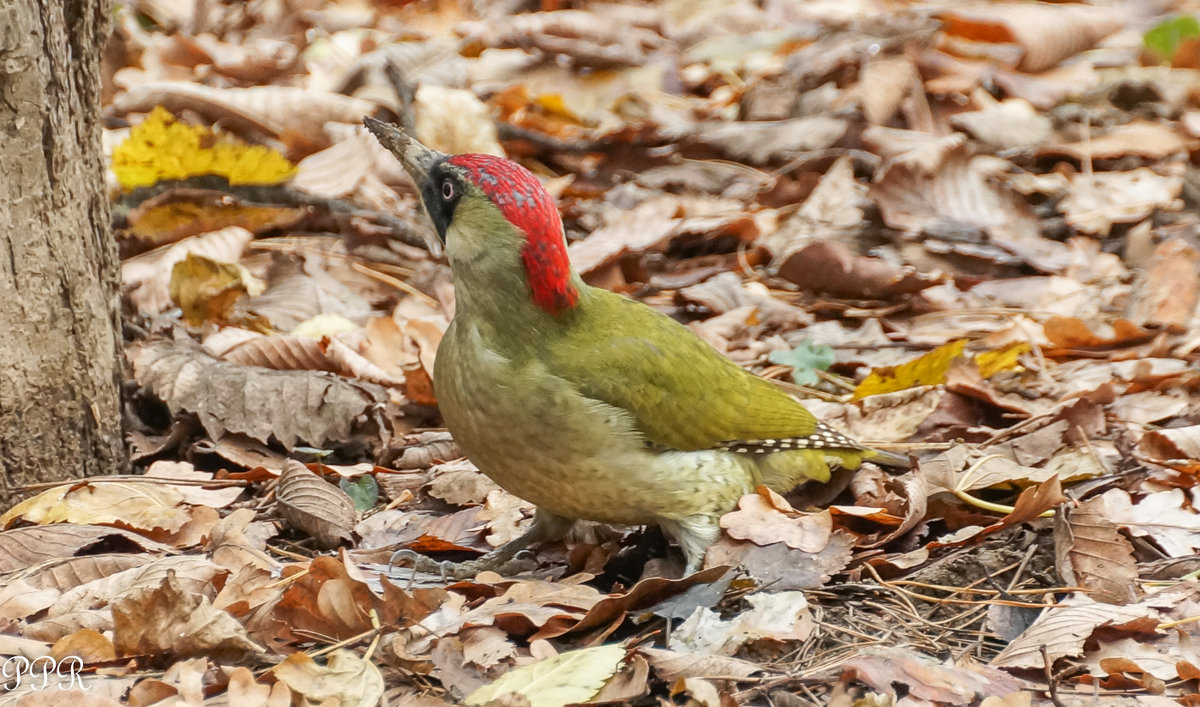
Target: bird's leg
694, 534
503, 560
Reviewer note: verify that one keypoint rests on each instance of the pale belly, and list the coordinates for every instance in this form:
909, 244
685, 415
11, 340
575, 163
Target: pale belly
539, 439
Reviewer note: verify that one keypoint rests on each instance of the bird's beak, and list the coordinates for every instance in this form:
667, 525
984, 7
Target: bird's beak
417, 159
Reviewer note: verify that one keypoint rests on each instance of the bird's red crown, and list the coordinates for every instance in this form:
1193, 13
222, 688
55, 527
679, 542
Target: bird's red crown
524, 202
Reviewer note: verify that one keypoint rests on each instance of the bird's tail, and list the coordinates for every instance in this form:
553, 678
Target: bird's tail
883, 458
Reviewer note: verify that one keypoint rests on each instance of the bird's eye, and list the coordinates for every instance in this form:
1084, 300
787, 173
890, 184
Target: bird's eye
447, 190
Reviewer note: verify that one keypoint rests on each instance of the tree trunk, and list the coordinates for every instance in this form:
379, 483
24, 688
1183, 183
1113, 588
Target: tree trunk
60, 343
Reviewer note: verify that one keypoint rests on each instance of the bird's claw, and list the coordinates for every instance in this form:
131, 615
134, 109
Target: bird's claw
448, 570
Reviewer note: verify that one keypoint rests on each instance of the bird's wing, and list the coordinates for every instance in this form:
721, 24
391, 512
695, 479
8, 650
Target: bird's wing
681, 392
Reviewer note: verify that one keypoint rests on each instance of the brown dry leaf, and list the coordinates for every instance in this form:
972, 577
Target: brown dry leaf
586, 39
184, 681
208, 291
271, 111
834, 209
1139, 138
630, 683
1046, 89
1097, 201
882, 85
181, 212
831, 267
903, 497
1009, 124
486, 646
1045, 34
288, 406
960, 195
171, 620
536, 608
889, 417
219, 496
149, 274
672, 665
28, 546
459, 483
141, 506
244, 690
422, 449
457, 675
345, 679
314, 506
326, 600
778, 616
1165, 517
1148, 407
783, 567
647, 226
726, 292
656, 593
765, 141
1091, 553
300, 293
454, 121
1074, 333
765, 517
1168, 289
927, 678
337, 170
453, 532
1175, 445
20, 600
1151, 662
507, 516
1063, 628
87, 645
920, 152
76, 607
301, 352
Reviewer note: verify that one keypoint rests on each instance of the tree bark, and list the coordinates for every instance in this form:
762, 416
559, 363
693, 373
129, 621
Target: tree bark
60, 343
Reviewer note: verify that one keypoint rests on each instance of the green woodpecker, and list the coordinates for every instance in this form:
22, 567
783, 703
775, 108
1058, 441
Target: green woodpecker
584, 402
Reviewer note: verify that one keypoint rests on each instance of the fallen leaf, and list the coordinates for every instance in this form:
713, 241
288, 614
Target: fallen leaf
314, 506
765, 518
345, 678
162, 148
173, 621
927, 369
779, 616
830, 267
1168, 289
1164, 517
1062, 629
1045, 34
1097, 201
574, 676
926, 678
1091, 553
288, 405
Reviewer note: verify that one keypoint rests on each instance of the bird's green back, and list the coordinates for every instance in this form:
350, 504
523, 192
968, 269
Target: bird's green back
681, 392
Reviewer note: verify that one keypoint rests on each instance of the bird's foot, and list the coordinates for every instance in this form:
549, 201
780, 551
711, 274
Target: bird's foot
503, 564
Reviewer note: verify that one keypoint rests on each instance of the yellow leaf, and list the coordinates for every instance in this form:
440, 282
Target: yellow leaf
929, 369
207, 289
992, 362
162, 148
166, 220
574, 676
554, 104
144, 506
